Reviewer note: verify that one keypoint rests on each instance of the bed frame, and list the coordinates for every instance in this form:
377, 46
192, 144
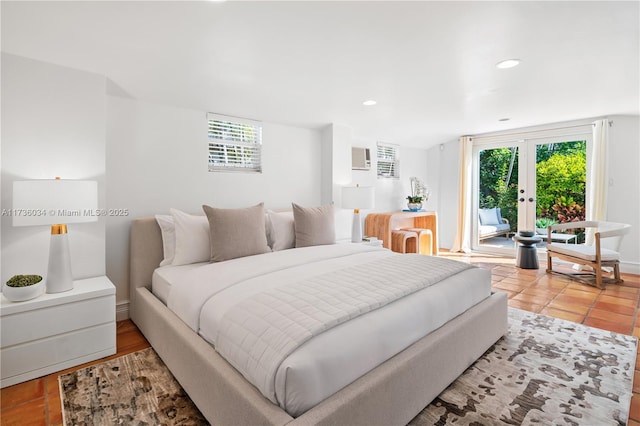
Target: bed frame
391, 394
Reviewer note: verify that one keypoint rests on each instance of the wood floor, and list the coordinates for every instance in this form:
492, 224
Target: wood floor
37, 402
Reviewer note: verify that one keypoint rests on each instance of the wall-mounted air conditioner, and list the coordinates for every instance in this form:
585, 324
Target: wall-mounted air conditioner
360, 158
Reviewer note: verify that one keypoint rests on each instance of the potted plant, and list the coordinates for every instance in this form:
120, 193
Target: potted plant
23, 287
419, 194
542, 223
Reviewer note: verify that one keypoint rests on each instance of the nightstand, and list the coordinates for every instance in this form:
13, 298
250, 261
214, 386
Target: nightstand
57, 331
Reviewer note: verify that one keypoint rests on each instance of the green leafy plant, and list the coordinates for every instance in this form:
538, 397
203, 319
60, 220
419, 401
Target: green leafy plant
568, 210
23, 280
543, 222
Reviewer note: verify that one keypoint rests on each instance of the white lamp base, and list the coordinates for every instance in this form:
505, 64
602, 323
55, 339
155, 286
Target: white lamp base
356, 229
59, 277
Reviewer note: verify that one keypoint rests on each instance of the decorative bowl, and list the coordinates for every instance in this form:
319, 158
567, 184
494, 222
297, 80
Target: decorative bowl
527, 233
20, 294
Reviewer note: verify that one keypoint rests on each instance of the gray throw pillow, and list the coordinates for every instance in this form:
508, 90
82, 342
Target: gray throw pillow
314, 226
236, 232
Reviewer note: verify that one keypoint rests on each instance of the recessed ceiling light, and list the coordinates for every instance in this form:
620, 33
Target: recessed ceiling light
504, 119
509, 63
370, 102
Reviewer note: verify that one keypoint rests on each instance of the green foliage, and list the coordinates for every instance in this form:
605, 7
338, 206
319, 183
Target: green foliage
23, 280
544, 152
561, 175
560, 172
499, 182
543, 222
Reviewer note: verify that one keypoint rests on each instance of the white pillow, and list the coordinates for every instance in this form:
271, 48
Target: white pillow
488, 217
168, 230
193, 243
281, 233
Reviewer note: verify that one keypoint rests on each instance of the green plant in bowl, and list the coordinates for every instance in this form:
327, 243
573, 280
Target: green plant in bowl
23, 287
23, 280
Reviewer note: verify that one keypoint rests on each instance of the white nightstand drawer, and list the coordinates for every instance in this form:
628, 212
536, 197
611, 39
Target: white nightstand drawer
50, 352
57, 331
27, 326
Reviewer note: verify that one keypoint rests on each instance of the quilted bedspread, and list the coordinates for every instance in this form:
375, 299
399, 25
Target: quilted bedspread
260, 331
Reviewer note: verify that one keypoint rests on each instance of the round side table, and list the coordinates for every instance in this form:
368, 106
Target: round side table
527, 254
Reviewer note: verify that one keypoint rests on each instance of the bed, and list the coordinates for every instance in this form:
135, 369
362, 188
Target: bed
390, 393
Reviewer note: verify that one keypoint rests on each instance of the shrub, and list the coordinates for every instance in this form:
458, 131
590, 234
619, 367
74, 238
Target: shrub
568, 210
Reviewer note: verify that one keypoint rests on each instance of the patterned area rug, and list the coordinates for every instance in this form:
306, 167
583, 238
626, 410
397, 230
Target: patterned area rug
134, 389
544, 371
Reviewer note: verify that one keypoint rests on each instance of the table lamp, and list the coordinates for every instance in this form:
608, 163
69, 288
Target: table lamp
356, 198
55, 202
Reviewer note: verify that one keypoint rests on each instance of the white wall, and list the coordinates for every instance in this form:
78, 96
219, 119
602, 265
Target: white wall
624, 189
624, 185
336, 166
157, 158
391, 194
443, 171
53, 124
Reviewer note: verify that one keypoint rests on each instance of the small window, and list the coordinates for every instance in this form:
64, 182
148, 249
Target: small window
388, 161
235, 145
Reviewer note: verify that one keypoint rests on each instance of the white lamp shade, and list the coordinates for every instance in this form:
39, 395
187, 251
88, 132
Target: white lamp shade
54, 201
358, 197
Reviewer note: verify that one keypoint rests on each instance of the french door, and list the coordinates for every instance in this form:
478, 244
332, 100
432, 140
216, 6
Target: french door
526, 184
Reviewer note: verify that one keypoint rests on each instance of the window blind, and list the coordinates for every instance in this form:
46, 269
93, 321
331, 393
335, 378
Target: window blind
388, 161
234, 144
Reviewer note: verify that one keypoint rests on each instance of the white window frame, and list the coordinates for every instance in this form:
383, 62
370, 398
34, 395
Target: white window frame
237, 145
388, 160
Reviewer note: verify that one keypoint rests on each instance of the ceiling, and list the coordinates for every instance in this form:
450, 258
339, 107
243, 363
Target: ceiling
429, 65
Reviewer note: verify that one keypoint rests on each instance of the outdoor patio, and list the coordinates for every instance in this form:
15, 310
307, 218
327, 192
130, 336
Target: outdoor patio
503, 242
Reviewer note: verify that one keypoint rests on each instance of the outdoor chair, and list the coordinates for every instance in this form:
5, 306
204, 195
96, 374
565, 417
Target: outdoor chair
603, 252
492, 224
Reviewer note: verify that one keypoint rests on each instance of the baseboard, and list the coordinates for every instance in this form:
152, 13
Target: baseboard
122, 310
630, 268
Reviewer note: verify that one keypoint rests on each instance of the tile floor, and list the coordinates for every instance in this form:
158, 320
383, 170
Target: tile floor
615, 308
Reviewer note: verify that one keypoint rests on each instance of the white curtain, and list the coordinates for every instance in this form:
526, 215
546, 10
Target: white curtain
462, 241
598, 177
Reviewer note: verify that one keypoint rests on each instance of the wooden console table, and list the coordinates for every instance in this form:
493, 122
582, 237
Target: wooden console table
380, 225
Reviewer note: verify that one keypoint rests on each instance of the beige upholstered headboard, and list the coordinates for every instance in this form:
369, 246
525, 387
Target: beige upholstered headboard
145, 255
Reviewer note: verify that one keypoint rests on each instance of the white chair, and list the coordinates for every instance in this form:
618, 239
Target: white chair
603, 253
492, 224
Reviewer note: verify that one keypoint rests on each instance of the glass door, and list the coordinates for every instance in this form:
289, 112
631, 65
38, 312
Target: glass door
560, 185
498, 172
526, 185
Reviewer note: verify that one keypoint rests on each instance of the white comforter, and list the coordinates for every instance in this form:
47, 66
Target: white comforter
207, 299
